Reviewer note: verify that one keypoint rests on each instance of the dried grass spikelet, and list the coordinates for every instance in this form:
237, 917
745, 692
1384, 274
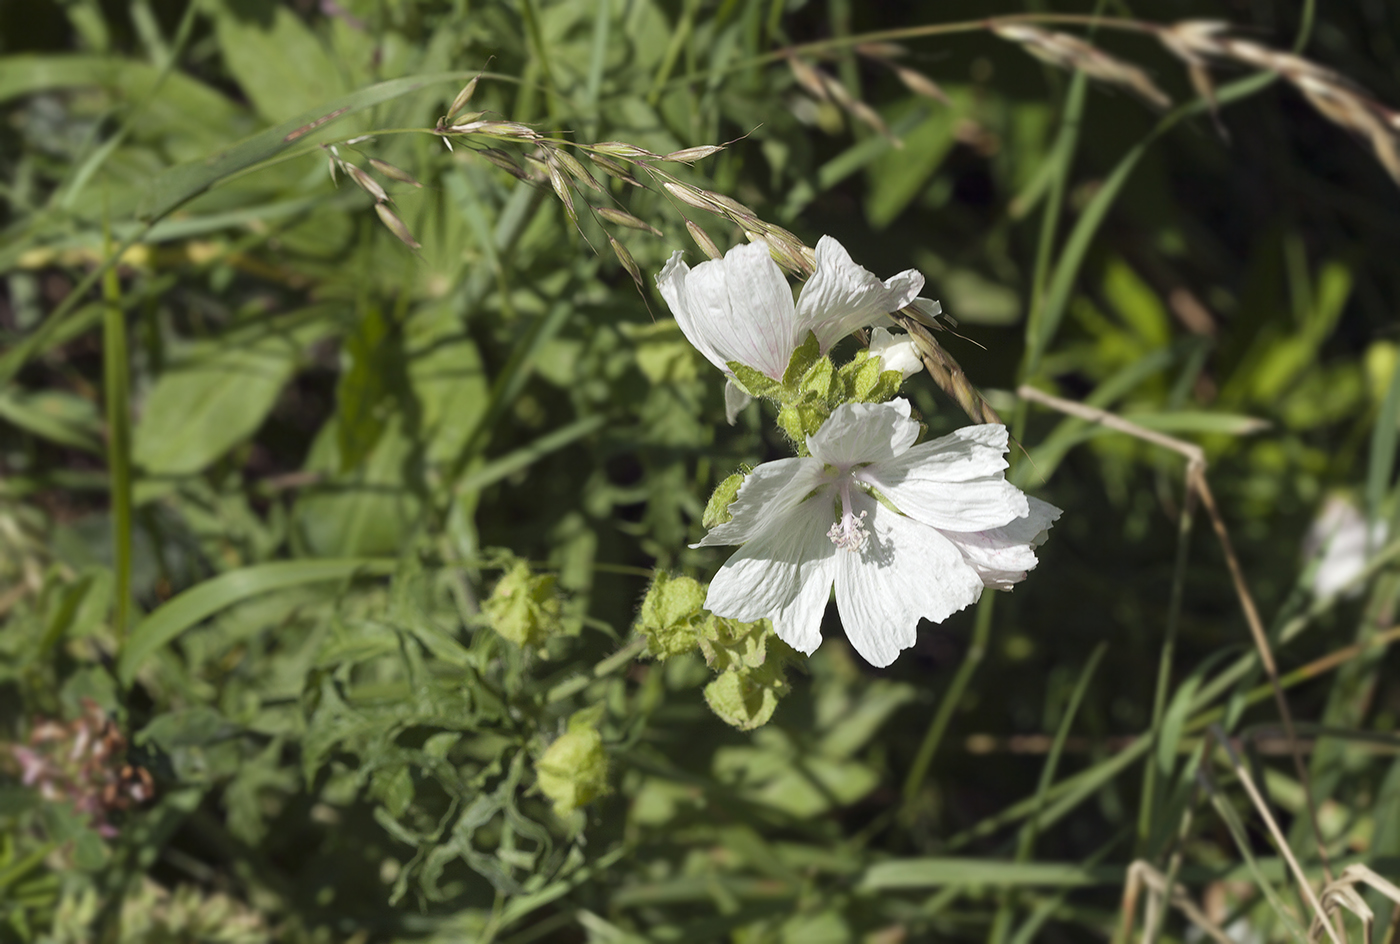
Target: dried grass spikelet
505, 161
828, 88
394, 173
574, 169
396, 226
946, 372
463, 97
628, 263
614, 168
692, 154
920, 84
703, 240
1074, 54
623, 218
561, 187
1334, 96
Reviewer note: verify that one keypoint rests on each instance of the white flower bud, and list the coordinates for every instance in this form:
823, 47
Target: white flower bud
896, 352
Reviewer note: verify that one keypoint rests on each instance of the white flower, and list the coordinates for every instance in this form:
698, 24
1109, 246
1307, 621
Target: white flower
896, 352
740, 308
1338, 535
807, 523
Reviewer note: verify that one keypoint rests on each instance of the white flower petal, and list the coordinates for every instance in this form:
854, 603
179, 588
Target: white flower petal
784, 574
864, 432
896, 352
767, 497
905, 571
842, 296
1002, 556
738, 308
954, 483
735, 399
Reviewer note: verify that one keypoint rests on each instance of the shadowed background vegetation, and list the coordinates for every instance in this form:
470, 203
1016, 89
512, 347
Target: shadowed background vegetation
261, 462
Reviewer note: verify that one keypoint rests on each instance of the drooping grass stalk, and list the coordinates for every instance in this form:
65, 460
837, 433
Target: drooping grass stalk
116, 392
981, 633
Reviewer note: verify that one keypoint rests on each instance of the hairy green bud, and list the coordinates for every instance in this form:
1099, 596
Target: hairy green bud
524, 608
573, 771
671, 614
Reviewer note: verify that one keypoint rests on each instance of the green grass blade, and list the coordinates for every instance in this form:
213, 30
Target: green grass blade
116, 393
205, 599
183, 182
1384, 436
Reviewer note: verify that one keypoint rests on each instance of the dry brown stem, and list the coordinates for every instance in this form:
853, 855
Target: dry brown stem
1196, 481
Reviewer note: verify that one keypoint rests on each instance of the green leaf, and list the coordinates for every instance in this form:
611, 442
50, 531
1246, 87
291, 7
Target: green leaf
203, 600
218, 393
277, 61
55, 415
898, 176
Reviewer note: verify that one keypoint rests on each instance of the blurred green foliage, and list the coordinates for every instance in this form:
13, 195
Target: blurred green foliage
394, 512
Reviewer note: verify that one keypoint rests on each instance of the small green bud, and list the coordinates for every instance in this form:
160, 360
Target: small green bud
524, 608
743, 700
670, 613
573, 771
717, 508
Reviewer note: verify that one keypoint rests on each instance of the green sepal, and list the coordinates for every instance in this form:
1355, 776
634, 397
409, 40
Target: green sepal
754, 382
717, 508
818, 379
800, 420
802, 360
886, 387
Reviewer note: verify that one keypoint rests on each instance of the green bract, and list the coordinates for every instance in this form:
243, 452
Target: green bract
812, 386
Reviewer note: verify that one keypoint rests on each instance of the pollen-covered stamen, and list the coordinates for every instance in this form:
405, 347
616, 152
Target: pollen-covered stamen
849, 533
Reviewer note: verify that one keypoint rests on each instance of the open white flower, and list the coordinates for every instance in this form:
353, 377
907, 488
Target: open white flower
740, 308
945, 524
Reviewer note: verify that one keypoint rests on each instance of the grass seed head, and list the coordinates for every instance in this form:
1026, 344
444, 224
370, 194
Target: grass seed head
1074, 54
